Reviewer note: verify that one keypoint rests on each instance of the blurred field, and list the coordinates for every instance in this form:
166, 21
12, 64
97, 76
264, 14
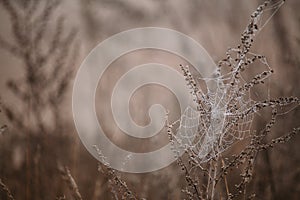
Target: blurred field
31, 153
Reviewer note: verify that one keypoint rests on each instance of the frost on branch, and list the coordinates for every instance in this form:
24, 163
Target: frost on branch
224, 114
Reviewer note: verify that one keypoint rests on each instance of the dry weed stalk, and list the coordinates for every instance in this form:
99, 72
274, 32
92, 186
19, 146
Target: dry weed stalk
118, 187
61, 197
3, 128
224, 115
6, 190
67, 177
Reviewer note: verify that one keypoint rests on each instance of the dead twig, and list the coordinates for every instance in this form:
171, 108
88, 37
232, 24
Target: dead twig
68, 178
6, 190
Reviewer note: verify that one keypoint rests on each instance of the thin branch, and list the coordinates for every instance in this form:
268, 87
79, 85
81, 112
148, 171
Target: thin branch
67, 177
6, 190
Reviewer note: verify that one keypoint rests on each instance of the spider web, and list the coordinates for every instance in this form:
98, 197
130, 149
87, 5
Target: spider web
207, 134
225, 112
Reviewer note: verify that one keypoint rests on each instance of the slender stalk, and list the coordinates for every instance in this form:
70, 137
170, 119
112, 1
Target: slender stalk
6, 190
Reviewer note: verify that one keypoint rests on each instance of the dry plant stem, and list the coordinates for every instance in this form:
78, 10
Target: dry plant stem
118, 187
61, 197
221, 114
67, 177
269, 165
191, 183
6, 190
215, 165
208, 183
225, 179
192, 190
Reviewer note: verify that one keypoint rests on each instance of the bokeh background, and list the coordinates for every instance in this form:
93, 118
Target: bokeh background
36, 95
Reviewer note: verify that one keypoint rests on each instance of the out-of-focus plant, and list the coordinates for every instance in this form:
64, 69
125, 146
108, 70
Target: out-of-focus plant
47, 49
47, 60
3, 128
